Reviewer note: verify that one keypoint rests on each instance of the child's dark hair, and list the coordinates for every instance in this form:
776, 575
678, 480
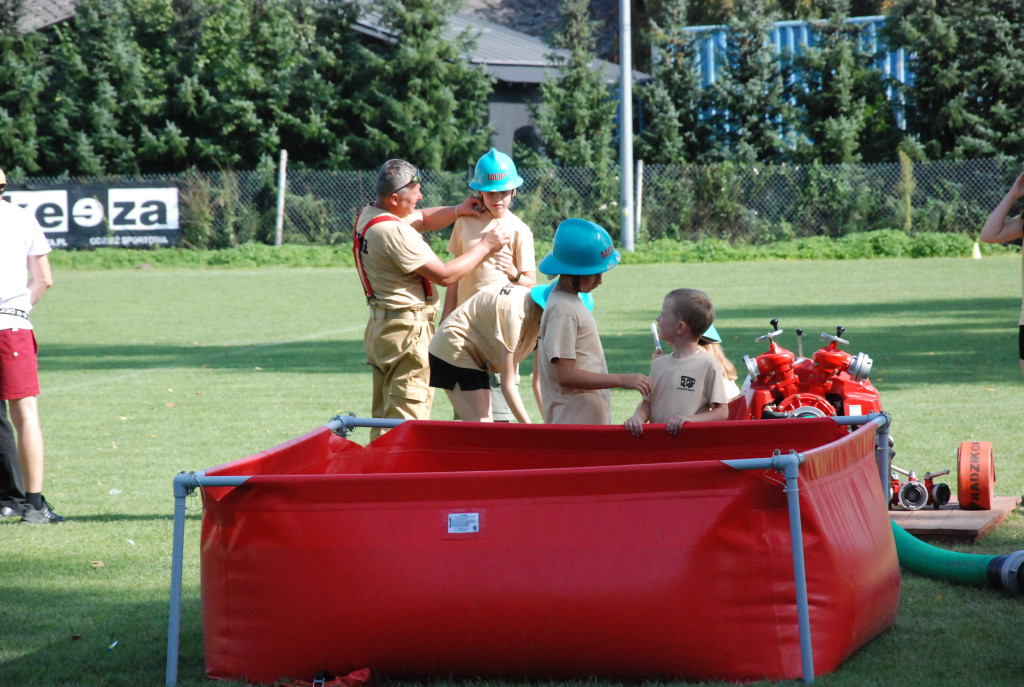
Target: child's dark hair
693, 307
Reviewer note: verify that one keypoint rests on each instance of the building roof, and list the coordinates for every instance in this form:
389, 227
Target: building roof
506, 54
511, 49
542, 18
38, 14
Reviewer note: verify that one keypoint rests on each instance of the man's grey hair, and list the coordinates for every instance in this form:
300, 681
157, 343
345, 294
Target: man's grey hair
393, 176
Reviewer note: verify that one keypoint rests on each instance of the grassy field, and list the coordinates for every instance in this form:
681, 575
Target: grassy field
147, 372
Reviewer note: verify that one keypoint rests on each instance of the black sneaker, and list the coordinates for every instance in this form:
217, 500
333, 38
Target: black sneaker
40, 516
9, 512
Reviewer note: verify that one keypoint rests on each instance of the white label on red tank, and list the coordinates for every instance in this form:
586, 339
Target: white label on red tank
463, 523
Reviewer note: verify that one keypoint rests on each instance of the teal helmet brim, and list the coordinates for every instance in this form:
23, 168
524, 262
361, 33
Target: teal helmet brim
710, 336
551, 265
541, 293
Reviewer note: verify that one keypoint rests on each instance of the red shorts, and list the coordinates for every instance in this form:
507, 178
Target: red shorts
19, 370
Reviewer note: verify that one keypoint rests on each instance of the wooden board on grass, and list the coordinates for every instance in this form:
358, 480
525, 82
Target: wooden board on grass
951, 524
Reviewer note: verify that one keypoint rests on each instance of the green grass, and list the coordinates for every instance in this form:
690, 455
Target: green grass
885, 243
149, 372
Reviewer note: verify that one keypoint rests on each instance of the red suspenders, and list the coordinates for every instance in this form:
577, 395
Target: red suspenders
357, 249
358, 241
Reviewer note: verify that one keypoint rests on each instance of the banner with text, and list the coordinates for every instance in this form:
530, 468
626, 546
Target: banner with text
136, 215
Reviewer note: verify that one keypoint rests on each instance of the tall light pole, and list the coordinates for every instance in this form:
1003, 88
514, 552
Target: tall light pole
625, 126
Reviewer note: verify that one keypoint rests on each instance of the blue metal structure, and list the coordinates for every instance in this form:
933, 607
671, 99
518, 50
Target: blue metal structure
793, 36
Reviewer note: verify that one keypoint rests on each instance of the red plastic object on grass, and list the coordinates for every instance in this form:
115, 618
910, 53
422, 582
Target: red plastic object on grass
533, 551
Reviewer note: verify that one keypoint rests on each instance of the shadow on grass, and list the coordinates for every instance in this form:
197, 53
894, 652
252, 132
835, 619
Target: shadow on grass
110, 518
974, 337
333, 357
71, 644
113, 518
971, 340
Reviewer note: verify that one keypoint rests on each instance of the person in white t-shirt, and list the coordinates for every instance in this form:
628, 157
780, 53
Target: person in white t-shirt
24, 278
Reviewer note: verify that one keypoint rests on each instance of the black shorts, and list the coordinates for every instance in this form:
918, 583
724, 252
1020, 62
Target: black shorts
444, 375
1020, 341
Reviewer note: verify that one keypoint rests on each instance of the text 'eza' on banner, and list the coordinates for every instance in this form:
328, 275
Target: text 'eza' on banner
90, 215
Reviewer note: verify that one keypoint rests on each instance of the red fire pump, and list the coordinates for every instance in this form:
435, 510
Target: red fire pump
831, 382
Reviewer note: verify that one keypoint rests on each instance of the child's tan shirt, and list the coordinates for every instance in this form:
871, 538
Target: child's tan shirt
569, 330
686, 386
467, 232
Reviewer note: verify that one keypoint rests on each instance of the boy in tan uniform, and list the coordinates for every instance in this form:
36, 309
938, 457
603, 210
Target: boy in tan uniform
688, 383
399, 273
496, 179
573, 375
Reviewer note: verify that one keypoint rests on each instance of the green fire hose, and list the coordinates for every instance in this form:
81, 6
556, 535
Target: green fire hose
1005, 573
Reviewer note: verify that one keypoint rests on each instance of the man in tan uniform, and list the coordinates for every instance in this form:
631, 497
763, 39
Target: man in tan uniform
399, 273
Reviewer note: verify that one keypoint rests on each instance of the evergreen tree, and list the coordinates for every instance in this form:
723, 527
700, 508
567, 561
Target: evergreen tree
845, 115
320, 113
238, 71
25, 78
576, 118
100, 92
672, 128
720, 11
146, 86
709, 12
748, 107
967, 61
420, 98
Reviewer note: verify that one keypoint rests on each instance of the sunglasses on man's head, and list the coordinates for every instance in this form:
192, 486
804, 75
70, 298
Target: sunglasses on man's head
415, 180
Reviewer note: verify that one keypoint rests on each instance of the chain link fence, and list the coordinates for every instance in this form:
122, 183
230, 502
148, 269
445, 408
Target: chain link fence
761, 204
749, 203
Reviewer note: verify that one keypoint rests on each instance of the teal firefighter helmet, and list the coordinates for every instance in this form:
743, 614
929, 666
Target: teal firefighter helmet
580, 247
495, 171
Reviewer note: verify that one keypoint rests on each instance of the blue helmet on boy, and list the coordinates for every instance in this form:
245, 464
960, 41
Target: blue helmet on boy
495, 171
580, 247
